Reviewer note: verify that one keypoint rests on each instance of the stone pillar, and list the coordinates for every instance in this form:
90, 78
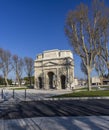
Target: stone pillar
46, 81
58, 80
43, 80
35, 85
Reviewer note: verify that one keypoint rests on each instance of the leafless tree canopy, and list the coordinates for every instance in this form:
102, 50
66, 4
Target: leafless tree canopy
18, 67
14, 63
29, 66
5, 63
100, 66
86, 28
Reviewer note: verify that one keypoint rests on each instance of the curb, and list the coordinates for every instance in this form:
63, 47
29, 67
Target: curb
57, 99
77, 98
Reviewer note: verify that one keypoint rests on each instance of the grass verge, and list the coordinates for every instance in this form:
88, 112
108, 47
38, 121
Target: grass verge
100, 93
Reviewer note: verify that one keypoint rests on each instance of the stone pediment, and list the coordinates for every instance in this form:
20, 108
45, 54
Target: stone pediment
50, 64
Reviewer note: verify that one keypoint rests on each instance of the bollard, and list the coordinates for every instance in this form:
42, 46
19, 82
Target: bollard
25, 93
13, 93
2, 93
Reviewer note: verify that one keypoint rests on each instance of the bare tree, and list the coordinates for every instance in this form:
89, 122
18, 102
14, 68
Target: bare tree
18, 67
105, 53
86, 28
100, 67
5, 63
29, 66
83, 68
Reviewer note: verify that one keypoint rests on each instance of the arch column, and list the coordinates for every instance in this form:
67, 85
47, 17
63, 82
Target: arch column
46, 81
63, 81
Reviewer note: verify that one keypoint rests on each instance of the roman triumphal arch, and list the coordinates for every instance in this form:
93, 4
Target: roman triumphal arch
54, 69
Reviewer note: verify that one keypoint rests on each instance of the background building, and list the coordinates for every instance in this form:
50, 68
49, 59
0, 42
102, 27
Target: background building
96, 81
54, 69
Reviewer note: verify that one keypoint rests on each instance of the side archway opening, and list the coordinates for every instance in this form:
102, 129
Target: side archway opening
40, 82
51, 80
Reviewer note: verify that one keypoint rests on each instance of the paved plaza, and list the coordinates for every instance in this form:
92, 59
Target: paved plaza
31, 94
36, 113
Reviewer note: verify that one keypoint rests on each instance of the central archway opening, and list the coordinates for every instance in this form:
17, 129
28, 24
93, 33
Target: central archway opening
63, 79
51, 79
40, 82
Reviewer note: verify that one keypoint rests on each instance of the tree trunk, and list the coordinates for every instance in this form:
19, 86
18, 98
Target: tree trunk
6, 81
29, 79
108, 73
89, 83
101, 80
19, 82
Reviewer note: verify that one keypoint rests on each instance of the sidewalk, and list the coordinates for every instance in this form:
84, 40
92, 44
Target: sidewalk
57, 123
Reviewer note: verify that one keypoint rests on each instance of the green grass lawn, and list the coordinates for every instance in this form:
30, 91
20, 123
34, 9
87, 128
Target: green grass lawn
100, 93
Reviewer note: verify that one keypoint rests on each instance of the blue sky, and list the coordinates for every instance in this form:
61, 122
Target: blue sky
28, 27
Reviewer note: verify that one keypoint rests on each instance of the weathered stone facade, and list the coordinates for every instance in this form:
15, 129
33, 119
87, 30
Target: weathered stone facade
54, 69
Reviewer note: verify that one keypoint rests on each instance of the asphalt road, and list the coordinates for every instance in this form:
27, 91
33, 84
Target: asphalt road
30, 109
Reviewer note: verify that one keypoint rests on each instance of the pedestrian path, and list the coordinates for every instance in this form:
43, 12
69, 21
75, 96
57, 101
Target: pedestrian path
57, 123
30, 95
35, 95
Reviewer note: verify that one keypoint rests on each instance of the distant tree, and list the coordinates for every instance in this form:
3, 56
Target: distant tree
18, 67
29, 67
10, 81
5, 63
2, 81
86, 29
28, 80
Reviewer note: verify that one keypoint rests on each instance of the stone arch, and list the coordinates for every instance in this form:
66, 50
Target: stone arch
63, 81
51, 80
40, 82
